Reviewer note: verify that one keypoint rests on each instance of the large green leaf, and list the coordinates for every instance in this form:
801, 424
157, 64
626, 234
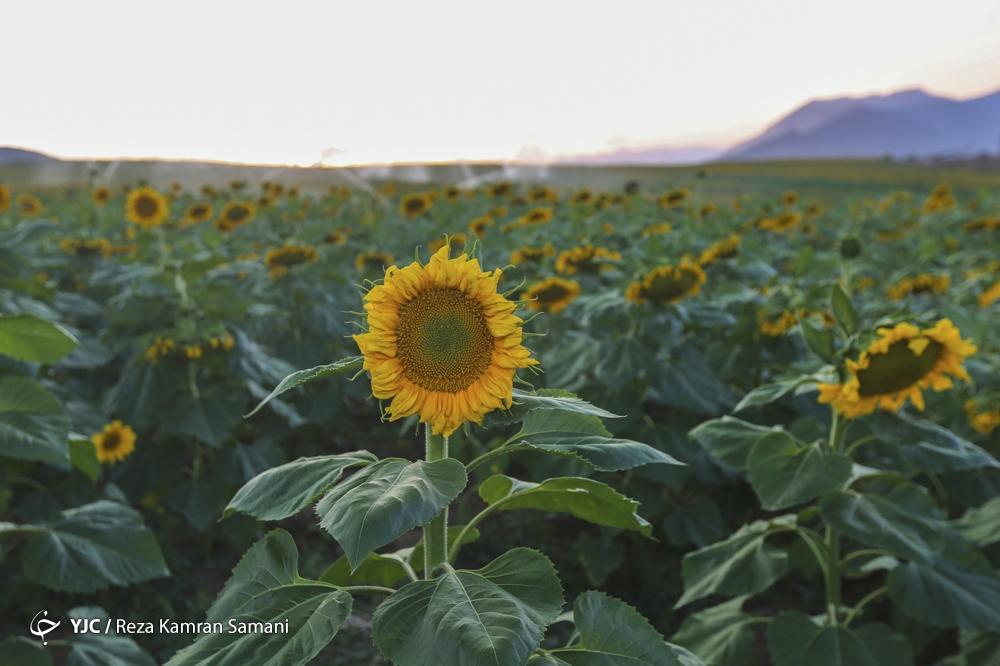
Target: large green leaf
27, 338
493, 616
795, 640
947, 595
978, 648
211, 417
83, 456
612, 633
729, 439
720, 635
33, 423
285, 490
584, 437
351, 364
383, 501
266, 587
91, 547
103, 649
879, 522
982, 524
784, 472
768, 393
561, 400
918, 445
583, 498
843, 309
741, 564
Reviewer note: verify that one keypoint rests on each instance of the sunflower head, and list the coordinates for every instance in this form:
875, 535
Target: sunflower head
543, 194
667, 284
28, 205
146, 207
553, 294
924, 283
674, 198
790, 198
774, 327
4, 197
724, 249
85, 248
500, 188
898, 365
582, 196
990, 296
531, 255
540, 215
441, 342
782, 223
281, 259
101, 195
234, 215
197, 213
586, 259
114, 442
415, 204
983, 420
480, 225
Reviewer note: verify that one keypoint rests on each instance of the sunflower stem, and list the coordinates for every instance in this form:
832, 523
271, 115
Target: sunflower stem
436, 531
833, 568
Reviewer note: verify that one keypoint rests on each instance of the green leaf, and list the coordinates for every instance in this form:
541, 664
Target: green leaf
820, 341
23, 651
387, 499
91, 547
947, 595
919, 445
493, 616
27, 338
599, 554
721, 635
83, 456
768, 393
784, 472
741, 564
843, 309
584, 437
285, 490
981, 525
978, 648
612, 633
103, 649
729, 439
561, 400
211, 417
878, 522
266, 587
794, 640
351, 364
583, 498
33, 423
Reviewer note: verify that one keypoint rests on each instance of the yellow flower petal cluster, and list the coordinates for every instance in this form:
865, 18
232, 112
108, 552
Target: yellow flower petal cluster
114, 442
667, 284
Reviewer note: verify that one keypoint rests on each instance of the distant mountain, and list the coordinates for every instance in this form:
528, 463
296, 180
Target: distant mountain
661, 154
10, 155
909, 123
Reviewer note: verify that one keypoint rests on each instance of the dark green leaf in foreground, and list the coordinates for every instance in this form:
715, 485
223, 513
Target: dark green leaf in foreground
285, 490
33, 424
981, 525
387, 499
561, 400
27, 338
768, 393
91, 547
843, 309
784, 472
494, 616
83, 457
795, 640
583, 498
729, 439
266, 587
351, 364
104, 649
918, 445
720, 635
947, 595
740, 564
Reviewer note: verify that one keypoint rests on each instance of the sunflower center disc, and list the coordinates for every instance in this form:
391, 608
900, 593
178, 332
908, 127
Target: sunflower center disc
897, 369
668, 288
145, 206
110, 441
442, 340
551, 294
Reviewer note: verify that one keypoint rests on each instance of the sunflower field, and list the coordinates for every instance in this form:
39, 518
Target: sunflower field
499, 423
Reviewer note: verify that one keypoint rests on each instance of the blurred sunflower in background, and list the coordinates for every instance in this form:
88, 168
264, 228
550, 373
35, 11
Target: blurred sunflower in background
586, 259
4, 198
197, 213
114, 442
146, 207
982, 420
414, 205
902, 362
441, 342
674, 198
479, 225
774, 327
370, 262
667, 284
531, 255
235, 214
990, 296
925, 283
101, 195
281, 259
724, 249
29, 205
553, 294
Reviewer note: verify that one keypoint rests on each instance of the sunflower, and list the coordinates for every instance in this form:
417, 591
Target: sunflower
543, 193
940, 199
161, 347
371, 262
500, 189
674, 198
101, 195
981, 224
667, 284
4, 198
540, 215
114, 442
29, 205
582, 196
990, 296
414, 205
707, 210
281, 259
790, 198
452, 193
146, 207
724, 249
479, 225
81, 247
441, 342
586, 259
923, 283
657, 229
552, 295
193, 352
197, 213
782, 223
901, 361
775, 327
531, 255
982, 421
235, 214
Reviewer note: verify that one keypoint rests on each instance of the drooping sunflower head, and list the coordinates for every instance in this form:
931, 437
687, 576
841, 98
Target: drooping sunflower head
146, 207
553, 294
372, 262
774, 327
442, 343
724, 249
415, 204
114, 442
234, 215
101, 195
924, 283
586, 259
28, 205
280, 260
500, 188
782, 223
197, 213
531, 255
980, 224
480, 225
85, 248
667, 284
982, 418
940, 199
543, 193
898, 365
4, 197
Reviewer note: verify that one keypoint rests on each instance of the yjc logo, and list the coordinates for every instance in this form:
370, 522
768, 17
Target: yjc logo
40, 626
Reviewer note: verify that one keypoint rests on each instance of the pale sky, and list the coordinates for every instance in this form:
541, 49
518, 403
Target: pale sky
282, 82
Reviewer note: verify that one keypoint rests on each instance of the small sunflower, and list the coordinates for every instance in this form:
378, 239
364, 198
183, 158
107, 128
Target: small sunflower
280, 260
442, 343
114, 442
500, 189
29, 205
923, 283
774, 327
531, 255
101, 195
667, 284
372, 262
553, 294
543, 193
479, 225
451, 193
415, 204
197, 213
790, 198
540, 215
901, 361
586, 259
4, 198
84, 248
583, 196
707, 210
146, 207
674, 198
724, 249
158, 349
234, 215
990, 296
981, 420
782, 223
193, 352
941, 199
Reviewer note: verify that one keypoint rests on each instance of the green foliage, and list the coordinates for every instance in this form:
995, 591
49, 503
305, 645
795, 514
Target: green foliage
28, 338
